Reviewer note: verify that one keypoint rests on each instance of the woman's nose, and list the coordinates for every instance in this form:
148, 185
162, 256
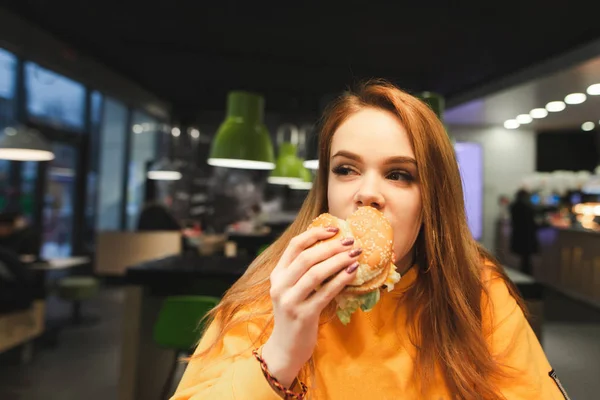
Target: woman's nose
369, 195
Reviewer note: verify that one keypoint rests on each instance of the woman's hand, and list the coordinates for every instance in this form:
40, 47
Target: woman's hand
300, 290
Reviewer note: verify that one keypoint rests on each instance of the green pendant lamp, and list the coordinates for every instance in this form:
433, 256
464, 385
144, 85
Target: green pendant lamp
243, 140
306, 181
437, 103
288, 168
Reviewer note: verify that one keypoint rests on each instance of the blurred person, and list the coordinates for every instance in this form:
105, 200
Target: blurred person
16, 235
523, 240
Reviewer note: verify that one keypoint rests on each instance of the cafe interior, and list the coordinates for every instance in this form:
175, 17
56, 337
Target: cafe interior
148, 153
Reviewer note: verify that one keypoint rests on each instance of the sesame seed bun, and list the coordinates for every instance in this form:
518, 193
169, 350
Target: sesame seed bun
373, 233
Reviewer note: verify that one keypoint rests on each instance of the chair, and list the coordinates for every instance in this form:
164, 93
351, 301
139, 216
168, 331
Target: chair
179, 327
77, 289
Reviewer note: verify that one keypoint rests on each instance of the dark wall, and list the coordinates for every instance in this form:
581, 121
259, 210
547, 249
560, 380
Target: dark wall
567, 150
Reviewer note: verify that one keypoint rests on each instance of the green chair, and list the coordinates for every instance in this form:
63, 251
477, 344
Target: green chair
179, 327
77, 289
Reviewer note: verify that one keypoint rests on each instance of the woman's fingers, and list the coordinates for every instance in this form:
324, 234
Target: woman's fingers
327, 293
318, 275
307, 259
303, 241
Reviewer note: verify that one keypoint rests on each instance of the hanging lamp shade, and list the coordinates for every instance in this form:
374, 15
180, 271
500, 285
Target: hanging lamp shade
164, 170
438, 104
243, 140
435, 101
306, 180
24, 144
288, 168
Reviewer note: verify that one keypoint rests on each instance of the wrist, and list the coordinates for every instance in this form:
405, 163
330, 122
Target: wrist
279, 365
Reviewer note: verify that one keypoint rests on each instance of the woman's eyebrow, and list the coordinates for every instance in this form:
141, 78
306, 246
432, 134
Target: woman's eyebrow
391, 160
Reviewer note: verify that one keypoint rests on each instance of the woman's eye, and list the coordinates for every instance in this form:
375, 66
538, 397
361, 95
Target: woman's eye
342, 170
400, 176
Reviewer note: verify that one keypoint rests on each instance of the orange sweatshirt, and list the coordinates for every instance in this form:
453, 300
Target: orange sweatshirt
370, 358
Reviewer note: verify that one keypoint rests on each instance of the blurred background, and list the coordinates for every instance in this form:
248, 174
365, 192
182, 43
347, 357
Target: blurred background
149, 152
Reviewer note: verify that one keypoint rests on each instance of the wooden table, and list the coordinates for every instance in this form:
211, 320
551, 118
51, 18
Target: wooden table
60, 263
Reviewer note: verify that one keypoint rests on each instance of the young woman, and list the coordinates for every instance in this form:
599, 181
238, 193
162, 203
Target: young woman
453, 327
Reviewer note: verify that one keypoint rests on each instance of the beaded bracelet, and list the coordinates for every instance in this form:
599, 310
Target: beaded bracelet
289, 394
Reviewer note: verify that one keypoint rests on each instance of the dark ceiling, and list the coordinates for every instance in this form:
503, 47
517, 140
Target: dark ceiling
191, 53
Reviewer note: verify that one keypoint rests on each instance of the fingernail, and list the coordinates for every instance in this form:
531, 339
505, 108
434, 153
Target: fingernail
347, 241
333, 229
355, 252
352, 267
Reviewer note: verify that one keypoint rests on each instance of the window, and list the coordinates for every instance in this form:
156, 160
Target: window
145, 131
58, 203
91, 196
111, 167
54, 99
8, 66
29, 172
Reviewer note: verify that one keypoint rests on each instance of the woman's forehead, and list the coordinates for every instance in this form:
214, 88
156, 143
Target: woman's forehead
372, 132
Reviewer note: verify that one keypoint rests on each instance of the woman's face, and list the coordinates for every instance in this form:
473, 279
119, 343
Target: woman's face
372, 164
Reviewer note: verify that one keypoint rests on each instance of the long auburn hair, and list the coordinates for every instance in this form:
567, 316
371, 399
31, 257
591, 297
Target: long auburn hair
446, 302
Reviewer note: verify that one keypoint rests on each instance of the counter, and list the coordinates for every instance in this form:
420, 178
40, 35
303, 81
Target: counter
568, 260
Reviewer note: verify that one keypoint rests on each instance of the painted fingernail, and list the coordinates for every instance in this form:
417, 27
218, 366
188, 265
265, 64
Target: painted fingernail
332, 229
352, 267
347, 241
355, 252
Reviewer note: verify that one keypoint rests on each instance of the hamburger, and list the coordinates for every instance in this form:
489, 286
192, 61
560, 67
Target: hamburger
373, 233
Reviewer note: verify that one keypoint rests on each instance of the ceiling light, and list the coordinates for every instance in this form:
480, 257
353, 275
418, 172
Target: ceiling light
175, 132
195, 133
524, 119
555, 106
311, 164
163, 170
24, 144
594, 90
301, 185
137, 128
243, 140
575, 98
587, 126
538, 113
511, 124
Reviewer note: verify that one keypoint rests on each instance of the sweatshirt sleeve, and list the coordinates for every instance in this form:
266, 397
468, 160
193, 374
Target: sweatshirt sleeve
516, 348
229, 372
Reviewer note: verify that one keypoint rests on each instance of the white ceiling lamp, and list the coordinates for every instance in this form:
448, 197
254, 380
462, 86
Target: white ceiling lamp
538, 113
575, 98
301, 185
195, 133
176, 132
524, 119
24, 144
164, 170
556, 106
311, 164
587, 126
511, 124
594, 90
